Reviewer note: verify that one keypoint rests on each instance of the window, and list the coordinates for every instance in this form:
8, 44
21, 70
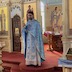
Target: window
43, 16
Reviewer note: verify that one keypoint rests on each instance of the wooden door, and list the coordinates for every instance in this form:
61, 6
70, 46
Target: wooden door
16, 32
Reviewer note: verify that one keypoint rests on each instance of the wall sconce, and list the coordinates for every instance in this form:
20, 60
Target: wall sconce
46, 4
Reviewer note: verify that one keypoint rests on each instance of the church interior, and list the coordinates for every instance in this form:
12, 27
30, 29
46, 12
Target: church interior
55, 18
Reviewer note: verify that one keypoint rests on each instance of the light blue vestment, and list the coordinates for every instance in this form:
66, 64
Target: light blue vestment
32, 40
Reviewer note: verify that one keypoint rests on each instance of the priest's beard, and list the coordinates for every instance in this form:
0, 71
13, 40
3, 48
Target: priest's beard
30, 18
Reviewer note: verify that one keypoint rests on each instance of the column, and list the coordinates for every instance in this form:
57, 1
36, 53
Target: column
1, 68
65, 27
65, 39
38, 10
65, 69
2, 45
22, 23
10, 27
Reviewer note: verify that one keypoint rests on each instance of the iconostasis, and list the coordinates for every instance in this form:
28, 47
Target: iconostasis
70, 14
33, 8
54, 17
3, 19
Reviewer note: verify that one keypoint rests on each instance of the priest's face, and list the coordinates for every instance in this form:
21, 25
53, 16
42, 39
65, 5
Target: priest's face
30, 16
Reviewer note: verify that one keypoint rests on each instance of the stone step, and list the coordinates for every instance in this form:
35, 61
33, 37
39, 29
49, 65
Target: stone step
58, 69
15, 69
14, 57
11, 62
8, 67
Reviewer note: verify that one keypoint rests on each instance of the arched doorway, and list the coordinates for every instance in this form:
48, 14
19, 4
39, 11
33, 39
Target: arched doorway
16, 33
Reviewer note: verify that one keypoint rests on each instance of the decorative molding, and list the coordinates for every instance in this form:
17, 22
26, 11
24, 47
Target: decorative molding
16, 9
9, 2
29, 1
3, 3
